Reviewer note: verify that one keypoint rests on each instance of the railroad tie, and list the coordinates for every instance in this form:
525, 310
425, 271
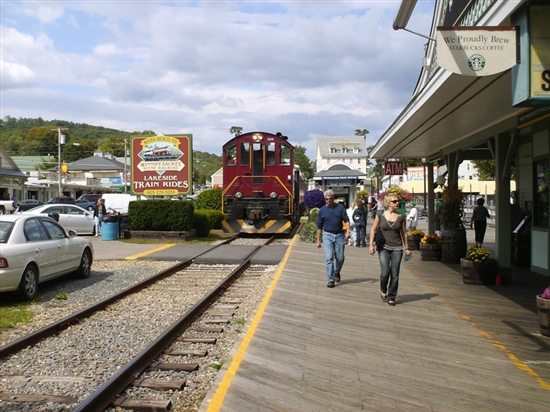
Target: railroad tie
180, 367
186, 352
160, 384
143, 404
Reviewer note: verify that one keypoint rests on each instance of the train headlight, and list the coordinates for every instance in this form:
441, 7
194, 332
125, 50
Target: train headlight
257, 137
238, 195
273, 195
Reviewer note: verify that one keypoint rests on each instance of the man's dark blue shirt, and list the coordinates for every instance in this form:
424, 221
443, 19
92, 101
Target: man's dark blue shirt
330, 219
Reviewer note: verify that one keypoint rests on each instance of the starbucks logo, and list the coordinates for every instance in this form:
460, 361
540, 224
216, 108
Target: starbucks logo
476, 62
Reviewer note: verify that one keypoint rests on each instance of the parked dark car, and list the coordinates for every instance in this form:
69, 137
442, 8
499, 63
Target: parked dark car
88, 201
64, 199
28, 204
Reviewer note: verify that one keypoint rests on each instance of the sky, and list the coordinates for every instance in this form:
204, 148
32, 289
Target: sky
303, 68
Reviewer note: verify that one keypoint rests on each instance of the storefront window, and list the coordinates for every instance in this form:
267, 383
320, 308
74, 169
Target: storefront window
541, 204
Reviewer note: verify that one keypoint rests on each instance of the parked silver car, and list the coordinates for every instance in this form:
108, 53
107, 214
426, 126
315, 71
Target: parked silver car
71, 217
35, 249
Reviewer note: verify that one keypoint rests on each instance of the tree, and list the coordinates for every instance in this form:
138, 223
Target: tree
363, 132
300, 158
41, 141
236, 130
485, 169
113, 145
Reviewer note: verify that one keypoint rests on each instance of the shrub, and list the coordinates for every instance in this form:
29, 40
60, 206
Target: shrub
215, 217
313, 213
314, 198
161, 215
308, 233
202, 223
209, 199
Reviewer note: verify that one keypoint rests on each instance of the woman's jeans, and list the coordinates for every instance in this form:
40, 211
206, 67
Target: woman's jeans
361, 233
333, 246
390, 262
98, 223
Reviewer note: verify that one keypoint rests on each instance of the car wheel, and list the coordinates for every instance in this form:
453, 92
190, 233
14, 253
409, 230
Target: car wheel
90, 208
28, 288
85, 267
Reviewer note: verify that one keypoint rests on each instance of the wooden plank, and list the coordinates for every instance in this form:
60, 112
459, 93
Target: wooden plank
181, 367
143, 405
20, 397
215, 321
212, 329
199, 340
186, 352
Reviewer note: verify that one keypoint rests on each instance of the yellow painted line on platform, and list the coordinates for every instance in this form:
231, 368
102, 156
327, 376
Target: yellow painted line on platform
518, 363
217, 400
148, 252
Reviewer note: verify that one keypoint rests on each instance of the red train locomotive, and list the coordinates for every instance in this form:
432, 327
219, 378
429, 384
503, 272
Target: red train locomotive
261, 185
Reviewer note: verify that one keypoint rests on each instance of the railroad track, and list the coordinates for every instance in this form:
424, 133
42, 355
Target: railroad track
184, 330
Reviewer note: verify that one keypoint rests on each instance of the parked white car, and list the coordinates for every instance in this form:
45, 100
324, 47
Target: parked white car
35, 249
71, 217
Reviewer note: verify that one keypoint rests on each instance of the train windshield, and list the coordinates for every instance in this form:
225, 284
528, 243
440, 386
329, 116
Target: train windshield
231, 155
257, 162
270, 154
245, 154
284, 154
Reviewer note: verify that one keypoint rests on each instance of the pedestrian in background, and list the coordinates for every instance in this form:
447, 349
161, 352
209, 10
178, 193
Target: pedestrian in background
359, 219
438, 211
373, 206
353, 232
412, 218
479, 221
393, 227
331, 219
99, 211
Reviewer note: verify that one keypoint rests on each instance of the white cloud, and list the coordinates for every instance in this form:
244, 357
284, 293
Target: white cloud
302, 68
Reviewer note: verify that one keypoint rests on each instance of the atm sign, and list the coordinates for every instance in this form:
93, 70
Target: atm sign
393, 168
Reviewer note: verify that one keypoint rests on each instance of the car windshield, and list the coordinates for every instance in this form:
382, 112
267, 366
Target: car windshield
5, 230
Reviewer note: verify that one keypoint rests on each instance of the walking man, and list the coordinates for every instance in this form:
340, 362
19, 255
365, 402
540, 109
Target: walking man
333, 224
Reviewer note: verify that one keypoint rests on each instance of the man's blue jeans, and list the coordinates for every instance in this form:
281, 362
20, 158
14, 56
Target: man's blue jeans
333, 246
390, 262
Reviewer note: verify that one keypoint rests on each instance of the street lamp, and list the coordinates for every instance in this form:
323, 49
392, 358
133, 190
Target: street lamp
60, 141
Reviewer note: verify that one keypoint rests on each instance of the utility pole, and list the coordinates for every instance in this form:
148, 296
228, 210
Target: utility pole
125, 166
60, 141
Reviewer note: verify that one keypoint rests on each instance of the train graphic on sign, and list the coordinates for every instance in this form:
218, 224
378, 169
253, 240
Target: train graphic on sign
157, 153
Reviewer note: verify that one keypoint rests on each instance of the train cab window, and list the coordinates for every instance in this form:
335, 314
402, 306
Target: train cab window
245, 154
284, 153
270, 154
231, 155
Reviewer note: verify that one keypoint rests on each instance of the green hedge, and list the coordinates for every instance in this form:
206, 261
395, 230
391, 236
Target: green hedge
161, 215
308, 234
202, 223
215, 217
209, 199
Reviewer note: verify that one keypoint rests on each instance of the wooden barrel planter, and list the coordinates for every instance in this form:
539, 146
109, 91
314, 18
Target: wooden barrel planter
543, 310
478, 273
430, 251
414, 242
453, 245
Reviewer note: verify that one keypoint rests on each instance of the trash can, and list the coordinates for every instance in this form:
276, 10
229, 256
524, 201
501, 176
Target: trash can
109, 227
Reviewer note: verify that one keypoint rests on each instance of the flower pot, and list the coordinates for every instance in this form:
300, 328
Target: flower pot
543, 310
453, 245
430, 251
414, 242
478, 273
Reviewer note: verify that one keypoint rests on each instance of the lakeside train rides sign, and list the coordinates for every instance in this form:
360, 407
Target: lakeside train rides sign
161, 165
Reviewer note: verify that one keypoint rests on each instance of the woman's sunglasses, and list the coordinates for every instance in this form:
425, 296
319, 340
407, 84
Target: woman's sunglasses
394, 201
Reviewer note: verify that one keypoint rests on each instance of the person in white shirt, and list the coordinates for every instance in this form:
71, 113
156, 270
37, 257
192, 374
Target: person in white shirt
353, 232
412, 218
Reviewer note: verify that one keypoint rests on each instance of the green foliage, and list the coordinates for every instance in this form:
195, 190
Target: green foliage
313, 213
209, 199
485, 169
204, 166
452, 208
306, 165
361, 132
364, 193
215, 217
236, 130
161, 215
308, 234
202, 223
12, 314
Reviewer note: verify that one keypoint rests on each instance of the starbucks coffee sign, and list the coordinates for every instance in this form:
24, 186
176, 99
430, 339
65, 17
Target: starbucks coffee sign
473, 51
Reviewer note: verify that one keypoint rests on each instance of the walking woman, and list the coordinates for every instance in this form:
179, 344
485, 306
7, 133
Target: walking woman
479, 221
99, 211
394, 228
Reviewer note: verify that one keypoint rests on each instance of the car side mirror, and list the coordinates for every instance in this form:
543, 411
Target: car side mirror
72, 233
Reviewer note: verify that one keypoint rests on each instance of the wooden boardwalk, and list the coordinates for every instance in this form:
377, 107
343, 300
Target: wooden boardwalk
445, 346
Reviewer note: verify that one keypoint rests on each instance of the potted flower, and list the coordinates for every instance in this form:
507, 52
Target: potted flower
402, 195
453, 233
543, 310
430, 247
477, 268
414, 239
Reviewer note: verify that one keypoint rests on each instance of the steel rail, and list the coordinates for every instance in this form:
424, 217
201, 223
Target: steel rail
62, 324
106, 393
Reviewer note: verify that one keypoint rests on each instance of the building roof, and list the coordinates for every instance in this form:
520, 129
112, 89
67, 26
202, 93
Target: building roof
339, 171
336, 143
8, 167
96, 162
28, 163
